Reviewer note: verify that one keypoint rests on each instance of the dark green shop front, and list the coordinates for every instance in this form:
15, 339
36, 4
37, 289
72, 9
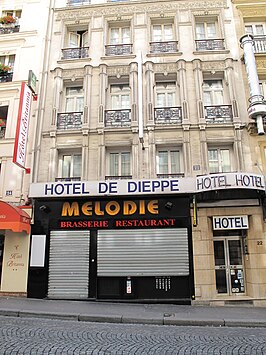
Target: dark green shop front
114, 249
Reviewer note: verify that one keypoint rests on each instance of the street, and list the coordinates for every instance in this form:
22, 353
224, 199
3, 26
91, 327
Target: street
40, 336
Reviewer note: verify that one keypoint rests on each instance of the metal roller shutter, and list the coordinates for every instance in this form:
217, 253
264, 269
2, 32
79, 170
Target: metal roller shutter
157, 252
69, 265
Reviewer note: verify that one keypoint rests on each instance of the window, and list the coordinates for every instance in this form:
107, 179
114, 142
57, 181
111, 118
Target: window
14, 13
168, 161
165, 94
8, 60
213, 92
162, 32
119, 35
256, 29
219, 160
74, 99
3, 119
77, 39
206, 29
120, 97
120, 163
70, 166
263, 88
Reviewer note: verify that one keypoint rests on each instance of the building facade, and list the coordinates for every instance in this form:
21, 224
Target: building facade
143, 179
21, 46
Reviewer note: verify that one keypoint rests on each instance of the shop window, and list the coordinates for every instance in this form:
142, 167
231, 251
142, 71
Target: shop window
219, 160
3, 120
168, 162
77, 43
119, 164
119, 39
73, 110
70, 166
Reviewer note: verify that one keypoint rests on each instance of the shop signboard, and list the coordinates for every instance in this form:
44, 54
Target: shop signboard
230, 222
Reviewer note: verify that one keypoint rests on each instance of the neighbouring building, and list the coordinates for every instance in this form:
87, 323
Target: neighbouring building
144, 180
22, 39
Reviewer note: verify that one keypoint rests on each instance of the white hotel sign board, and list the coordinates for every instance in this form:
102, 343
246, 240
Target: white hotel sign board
151, 187
230, 222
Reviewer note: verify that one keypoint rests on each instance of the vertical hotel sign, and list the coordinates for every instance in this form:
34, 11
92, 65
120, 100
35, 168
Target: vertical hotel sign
20, 148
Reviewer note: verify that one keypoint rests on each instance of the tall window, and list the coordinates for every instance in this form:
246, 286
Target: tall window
166, 94
120, 35
70, 165
168, 161
3, 120
162, 32
206, 29
77, 39
213, 92
74, 99
119, 163
219, 160
120, 97
8, 60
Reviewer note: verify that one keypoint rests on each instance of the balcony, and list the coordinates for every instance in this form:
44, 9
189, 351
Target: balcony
69, 120
65, 179
163, 47
209, 44
170, 176
75, 53
118, 177
78, 2
218, 114
9, 29
117, 118
118, 49
6, 77
2, 132
260, 44
168, 115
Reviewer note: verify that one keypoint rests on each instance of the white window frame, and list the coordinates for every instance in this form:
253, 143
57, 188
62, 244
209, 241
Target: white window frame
75, 97
78, 40
120, 96
168, 90
215, 90
169, 164
254, 25
121, 38
5, 59
206, 22
220, 166
119, 154
163, 32
72, 156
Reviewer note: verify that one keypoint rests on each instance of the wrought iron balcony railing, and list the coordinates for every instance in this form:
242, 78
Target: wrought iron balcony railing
209, 44
9, 29
2, 132
73, 178
169, 176
69, 120
218, 114
168, 115
260, 44
118, 177
78, 2
118, 49
75, 53
163, 47
6, 77
117, 118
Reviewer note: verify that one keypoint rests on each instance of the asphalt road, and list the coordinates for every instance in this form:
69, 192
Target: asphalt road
39, 336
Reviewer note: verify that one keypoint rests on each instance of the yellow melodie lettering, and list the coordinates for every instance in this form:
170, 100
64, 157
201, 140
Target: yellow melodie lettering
70, 210
87, 208
153, 207
141, 207
130, 207
112, 211
97, 209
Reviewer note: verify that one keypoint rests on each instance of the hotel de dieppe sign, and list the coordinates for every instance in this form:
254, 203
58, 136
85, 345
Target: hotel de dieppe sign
180, 185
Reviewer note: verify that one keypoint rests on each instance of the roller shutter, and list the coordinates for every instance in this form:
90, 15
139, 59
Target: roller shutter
69, 265
157, 252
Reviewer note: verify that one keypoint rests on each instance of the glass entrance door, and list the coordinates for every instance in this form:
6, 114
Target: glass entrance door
229, 268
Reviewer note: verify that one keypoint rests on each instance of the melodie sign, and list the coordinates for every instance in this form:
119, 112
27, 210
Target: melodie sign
153, 186
21, 139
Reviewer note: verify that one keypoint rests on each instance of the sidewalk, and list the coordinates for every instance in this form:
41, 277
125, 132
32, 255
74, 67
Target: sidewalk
161, 314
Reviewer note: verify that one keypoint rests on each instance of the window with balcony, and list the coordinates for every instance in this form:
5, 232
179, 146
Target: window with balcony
213, 97
69, 167
77, 44
71, 118
258, 30
78, 2
168, 162
119, 164
119, 39
13, 26
6, 67
208, 35
119, 103
163, 37
219, 160
3, 120
166, 109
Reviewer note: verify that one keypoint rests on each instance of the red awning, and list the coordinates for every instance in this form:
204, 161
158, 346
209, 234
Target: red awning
13, 218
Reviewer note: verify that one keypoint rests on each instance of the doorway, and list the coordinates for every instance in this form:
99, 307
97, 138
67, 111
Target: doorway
229, 267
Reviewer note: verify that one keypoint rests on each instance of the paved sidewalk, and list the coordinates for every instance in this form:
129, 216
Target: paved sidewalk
134, 313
